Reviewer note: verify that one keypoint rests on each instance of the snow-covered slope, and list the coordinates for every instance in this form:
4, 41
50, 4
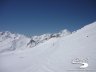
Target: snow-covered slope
11, 41
56, 54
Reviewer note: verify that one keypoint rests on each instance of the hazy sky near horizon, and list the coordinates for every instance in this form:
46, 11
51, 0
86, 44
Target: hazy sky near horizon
34, 17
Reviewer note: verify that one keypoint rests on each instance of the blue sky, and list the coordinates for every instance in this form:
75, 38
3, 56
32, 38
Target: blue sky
34, 17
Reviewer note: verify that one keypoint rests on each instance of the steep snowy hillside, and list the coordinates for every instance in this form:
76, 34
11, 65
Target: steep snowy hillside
58, 54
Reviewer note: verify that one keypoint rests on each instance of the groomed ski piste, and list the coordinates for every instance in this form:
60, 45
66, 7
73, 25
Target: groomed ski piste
49, 53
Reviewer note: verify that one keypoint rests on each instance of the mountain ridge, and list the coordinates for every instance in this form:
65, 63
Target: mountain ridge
15, 41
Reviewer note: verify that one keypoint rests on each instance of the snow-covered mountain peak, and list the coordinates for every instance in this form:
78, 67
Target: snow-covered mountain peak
47, 36
64, 32
11, 41
6, 33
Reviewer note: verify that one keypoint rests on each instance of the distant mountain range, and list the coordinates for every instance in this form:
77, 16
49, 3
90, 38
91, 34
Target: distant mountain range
11, 41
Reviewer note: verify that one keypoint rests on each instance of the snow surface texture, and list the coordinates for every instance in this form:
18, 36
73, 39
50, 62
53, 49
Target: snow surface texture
48, 52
